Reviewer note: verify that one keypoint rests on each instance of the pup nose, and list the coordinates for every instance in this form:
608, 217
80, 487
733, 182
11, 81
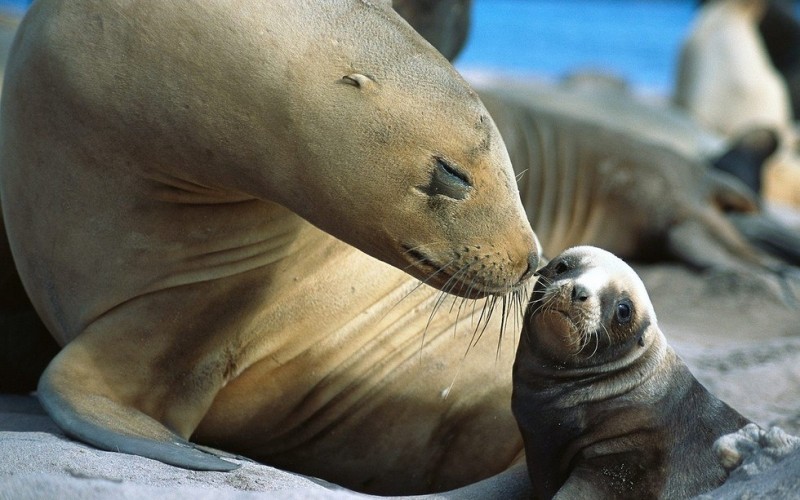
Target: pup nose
533, 264
579, 293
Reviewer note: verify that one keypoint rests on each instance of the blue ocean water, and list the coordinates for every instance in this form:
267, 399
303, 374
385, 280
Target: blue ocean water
15, 4
636, 39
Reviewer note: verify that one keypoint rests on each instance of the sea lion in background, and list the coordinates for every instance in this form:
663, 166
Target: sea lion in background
780, 32
608, 100
183, 246
725, 78
605, 170
747, 156
605, 406
727, 81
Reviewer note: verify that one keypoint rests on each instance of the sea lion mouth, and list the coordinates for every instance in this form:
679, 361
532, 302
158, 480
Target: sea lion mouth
452, 279
561, 323
420, 260
562, 318
556, 333
550, 304
435, 274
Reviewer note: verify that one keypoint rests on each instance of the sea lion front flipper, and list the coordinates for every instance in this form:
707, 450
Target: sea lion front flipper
710, 235
770, 235
761, 230
729, 194
78, 401
705, 243
584, 483
712, 246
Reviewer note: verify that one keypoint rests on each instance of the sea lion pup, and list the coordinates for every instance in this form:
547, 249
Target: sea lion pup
605, 406
218, 211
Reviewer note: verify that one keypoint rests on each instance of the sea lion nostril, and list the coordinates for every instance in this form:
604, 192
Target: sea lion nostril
533, 265
579, 293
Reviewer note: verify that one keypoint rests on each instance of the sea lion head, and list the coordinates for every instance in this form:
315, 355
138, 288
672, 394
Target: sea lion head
336, 110
401, 159
588, 308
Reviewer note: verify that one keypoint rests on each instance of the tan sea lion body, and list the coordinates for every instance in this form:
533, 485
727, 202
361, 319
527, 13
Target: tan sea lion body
606, 408
725, 78
727, 81
175, 148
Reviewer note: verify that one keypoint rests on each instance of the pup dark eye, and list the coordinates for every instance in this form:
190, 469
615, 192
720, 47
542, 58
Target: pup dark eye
448, 181
624, 312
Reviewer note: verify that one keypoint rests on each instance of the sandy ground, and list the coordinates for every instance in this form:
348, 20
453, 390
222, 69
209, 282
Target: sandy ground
38, 462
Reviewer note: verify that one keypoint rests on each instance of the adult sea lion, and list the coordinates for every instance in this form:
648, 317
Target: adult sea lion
605, 406
779, 29
724, 60
182, 244
26, 347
